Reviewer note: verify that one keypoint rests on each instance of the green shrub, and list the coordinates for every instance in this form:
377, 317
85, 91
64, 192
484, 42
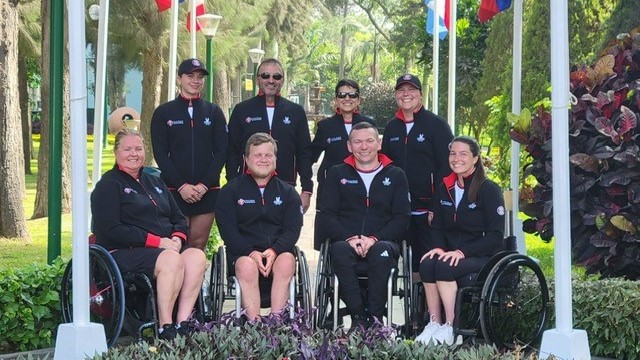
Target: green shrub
379, 102
609, 310
29, 306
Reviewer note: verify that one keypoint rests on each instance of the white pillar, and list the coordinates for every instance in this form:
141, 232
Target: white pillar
80, 339
436, 54
516, 106
173, 50
563, 342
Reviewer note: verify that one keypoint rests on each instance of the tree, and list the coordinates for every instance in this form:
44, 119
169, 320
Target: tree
29, 50
12, 222
41, 208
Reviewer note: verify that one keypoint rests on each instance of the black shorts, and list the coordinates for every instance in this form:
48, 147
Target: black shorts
206, 205
263, 282
141, 259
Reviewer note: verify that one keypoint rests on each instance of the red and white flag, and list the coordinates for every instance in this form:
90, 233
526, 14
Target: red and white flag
199, 11
165, 4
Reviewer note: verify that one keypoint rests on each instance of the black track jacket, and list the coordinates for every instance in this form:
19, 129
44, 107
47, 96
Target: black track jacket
289, 128
348, 210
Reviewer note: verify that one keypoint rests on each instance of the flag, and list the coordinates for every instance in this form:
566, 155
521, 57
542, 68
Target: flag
199, 11
489, 8
443, 21
164, 4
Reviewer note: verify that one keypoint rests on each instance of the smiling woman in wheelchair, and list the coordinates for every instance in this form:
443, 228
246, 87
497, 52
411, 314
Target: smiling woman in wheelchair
468, 227
137, 220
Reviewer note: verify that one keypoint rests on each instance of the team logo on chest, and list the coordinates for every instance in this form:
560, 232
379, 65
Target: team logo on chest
158, 190
420, 138
472, 206
277, 201
286, 120
207, 121
250, 119
242, 202
129, 191
386, 181
395, 138
175, 122
334, 139
344, 181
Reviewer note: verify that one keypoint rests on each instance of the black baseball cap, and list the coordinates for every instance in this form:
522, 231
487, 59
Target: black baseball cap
409, 79
190, 65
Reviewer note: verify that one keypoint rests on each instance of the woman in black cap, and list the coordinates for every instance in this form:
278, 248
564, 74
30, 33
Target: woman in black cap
190, 142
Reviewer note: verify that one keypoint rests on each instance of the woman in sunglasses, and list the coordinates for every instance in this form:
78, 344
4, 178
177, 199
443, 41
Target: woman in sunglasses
332, 134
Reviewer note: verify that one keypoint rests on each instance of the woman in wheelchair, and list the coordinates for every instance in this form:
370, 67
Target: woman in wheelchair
137, 220
260, 217
468, 227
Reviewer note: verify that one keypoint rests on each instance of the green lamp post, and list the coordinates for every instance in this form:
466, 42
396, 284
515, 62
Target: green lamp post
256, 55
209, 26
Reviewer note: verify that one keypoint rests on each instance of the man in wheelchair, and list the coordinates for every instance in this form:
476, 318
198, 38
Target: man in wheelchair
137, 220
468, 227
260, 217
366, 210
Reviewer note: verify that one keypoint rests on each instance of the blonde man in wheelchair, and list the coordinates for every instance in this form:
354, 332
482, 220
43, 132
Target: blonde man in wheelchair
260, 217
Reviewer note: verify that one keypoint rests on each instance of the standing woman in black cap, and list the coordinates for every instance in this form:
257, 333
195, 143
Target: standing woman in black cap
190, 141
417, 141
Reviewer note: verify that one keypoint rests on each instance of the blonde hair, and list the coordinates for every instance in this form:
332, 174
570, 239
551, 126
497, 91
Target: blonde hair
126, 132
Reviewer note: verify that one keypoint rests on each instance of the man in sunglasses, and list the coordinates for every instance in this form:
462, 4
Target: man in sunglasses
417, 140
284, 120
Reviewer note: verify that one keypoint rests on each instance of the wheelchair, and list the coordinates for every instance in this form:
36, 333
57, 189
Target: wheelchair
329, 314
121, 302
506, 302
225, 286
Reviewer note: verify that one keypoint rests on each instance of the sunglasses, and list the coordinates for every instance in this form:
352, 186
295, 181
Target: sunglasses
276, 76
352, 95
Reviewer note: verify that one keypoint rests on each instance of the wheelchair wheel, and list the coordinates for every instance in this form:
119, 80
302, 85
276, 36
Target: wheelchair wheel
514, 304
406, 291
324, 294
216, 287
106, 289
303, 291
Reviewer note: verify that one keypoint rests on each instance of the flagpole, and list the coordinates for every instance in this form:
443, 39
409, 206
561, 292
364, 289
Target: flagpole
451, 104
101, 70
516, 106
173, 50
192, 22
563, 342
436, 54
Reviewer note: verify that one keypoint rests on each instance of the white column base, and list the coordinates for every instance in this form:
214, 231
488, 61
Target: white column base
79, 341
565, 345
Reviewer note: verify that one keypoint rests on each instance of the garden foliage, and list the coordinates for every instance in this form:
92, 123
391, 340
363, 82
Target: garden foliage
604, 168
29, 307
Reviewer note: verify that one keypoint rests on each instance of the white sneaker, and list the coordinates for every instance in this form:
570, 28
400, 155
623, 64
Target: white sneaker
427, 334
444, 335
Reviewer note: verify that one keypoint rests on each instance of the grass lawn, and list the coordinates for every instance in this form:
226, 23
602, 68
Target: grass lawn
18, 253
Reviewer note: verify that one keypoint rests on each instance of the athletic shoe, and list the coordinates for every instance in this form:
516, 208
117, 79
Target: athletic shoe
444, 335
427, 334
184, 328
168, 332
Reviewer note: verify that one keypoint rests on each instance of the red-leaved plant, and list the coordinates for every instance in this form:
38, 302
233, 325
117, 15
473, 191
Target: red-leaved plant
604, 151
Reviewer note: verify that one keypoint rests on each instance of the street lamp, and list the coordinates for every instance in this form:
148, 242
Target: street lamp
256, 55
209, 25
